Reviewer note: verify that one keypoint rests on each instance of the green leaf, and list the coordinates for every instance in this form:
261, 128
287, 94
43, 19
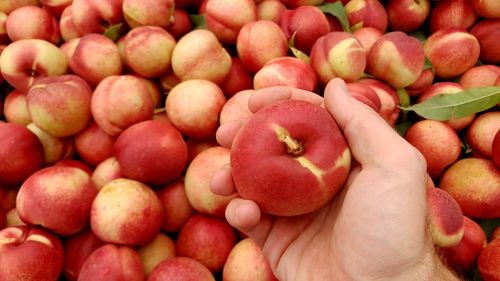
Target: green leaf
451, 106
296, 52
402, 127
113, 32
337, 10
428, 64
198, 21
420, 35
404, 101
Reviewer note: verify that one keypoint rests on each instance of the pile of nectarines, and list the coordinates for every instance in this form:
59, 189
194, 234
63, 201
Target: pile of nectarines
109, 111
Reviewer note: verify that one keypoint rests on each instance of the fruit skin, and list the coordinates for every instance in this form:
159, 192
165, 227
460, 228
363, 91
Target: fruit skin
238, 79
95, 16
112, 262
160, 249
307, 178
407, 15
446, 218
152, 12
489, 261
19, 143
486, 32
152, 152
452, 51
30, 253
480, 76
64, 212
206, 239
126, 212
199, 55
475, 184
438, 143
31, 22
363, 13
481, 132
463, 257
496, 149
77, 248
26, 60
15, 108
451, 14
60, 105
486, 8
246, 262
330, 54
94, 145
176, 205
181, 269
396, 58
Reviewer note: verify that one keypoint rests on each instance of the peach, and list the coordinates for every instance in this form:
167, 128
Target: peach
199, 55
152, 152
8, 196
271, 144
407, 15
446, 218
9, 6
54, 148
149, 12
308, 23
236, 107
195, 147
77, 248
238, 79
94, 145
160, 249
4, 38
126, 212
31, 22
363, 13
451, 14
176, 204
95, 58
488, 261
181, 24
3, 218
423, 82
55, 7
25, 61
181, 269
452, 52
475, 184
480, 76
463, 256
112, 262
64, 212
247, 262
66, 27
206, 239
13, 219
197, 181
486, 8
486, 32
331, 53
30, 254
495, 234
68, 48
365, 94
74, 164
194, 106
148, 50
95, 16
60, 105
481, 132
389, 100
495, 150
286, 71
105, 172
367, 36
16, 108
396, 58
270, 10
121, 101
168, 81
438, 143
225, 21
259, 42
457, 124
19, 144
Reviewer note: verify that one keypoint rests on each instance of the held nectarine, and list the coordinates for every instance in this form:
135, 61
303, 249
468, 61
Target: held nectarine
290, 158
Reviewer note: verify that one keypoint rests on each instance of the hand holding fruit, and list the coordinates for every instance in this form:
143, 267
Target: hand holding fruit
382, 203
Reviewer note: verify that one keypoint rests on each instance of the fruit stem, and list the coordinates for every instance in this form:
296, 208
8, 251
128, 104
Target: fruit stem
293, 146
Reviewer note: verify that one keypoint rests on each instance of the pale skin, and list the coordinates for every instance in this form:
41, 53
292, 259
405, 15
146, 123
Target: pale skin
374, 229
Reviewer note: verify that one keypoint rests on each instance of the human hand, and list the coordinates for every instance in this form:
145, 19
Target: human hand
374, 229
